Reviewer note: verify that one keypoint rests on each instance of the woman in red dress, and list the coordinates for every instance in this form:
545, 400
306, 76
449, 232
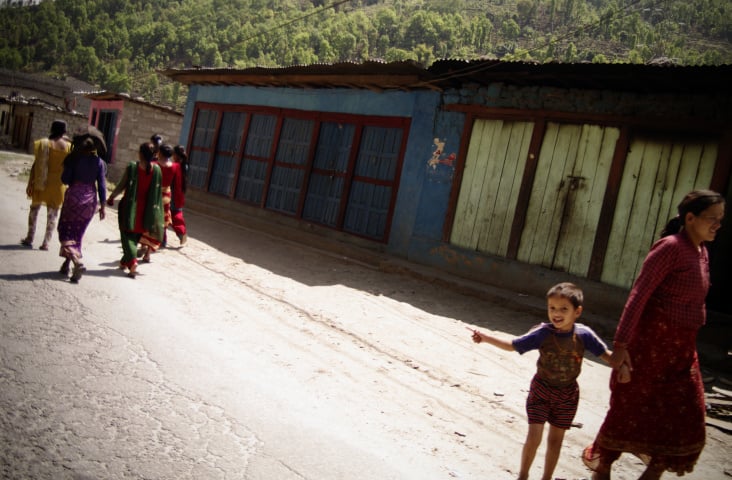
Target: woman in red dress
658, 414
172, 194
179, 197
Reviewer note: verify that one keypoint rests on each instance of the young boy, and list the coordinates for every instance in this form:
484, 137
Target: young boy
554, 393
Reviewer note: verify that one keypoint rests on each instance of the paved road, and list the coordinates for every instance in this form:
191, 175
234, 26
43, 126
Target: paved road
245, 357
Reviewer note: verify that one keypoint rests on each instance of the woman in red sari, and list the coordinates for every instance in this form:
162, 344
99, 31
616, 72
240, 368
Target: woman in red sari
658, 414
172, 192
140, 212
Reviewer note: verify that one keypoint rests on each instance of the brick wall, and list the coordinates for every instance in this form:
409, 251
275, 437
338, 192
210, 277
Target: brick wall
39, 120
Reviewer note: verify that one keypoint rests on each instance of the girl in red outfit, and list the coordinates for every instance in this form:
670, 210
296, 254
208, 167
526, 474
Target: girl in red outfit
179, 197
658, 414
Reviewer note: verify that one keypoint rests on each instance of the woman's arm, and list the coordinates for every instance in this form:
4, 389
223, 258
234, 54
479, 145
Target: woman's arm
121, 185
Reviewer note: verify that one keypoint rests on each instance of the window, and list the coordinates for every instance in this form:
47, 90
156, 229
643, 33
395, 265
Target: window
341, 171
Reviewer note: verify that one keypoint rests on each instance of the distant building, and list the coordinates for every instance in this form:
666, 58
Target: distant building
126, 122
19, 3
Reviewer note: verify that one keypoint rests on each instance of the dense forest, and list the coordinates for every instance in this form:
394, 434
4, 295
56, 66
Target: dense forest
121, 44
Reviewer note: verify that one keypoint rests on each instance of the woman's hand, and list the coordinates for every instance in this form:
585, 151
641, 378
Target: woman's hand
110, 202
29, 190
624, 374
101, 213
620, 357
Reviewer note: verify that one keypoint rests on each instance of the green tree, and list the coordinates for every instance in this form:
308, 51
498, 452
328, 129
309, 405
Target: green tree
510, 29
11, 58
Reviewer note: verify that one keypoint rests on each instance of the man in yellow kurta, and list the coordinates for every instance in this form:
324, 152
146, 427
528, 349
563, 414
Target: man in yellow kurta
44, 184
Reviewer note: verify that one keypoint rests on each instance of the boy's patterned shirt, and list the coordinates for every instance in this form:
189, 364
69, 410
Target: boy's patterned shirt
560, 354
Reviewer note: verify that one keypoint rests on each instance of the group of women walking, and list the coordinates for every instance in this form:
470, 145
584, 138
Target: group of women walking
72, 177
153, 197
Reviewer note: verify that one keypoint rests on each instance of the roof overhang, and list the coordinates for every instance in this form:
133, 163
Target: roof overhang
446, 74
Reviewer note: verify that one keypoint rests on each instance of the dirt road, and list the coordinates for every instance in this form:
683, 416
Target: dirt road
247, 356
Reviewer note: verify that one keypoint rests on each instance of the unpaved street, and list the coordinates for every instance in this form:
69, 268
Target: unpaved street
244, 356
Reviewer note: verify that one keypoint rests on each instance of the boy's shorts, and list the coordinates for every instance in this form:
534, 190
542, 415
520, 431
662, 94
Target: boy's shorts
556, 405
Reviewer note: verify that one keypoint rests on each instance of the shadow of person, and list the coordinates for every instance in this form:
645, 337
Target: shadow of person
17, 246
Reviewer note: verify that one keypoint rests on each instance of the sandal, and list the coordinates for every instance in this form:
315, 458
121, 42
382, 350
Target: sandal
26, 243
133, 271
43, 247
76, 275
64, 268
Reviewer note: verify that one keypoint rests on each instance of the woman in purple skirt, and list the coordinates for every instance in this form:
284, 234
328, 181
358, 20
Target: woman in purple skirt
85, 174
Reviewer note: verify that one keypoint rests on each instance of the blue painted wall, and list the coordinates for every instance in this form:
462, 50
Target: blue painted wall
424, 189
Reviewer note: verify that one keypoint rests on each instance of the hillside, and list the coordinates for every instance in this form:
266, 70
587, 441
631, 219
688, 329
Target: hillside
120, 44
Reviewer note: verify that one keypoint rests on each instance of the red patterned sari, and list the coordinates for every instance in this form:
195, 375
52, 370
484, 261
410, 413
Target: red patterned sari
660, 414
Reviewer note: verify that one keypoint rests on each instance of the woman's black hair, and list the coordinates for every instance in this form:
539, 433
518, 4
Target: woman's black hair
148, 153
58, 129
180, 151
694, 202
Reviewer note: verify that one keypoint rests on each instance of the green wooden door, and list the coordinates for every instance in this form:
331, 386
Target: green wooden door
658, 173
494, 166
566, 198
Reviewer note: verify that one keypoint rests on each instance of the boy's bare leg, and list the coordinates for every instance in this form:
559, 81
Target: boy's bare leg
553, 448
533, 440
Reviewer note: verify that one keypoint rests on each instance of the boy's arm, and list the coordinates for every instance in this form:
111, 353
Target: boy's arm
480, 337
623, 371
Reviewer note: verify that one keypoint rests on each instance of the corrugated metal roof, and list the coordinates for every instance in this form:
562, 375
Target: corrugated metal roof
625, 76
455, 73
369, 75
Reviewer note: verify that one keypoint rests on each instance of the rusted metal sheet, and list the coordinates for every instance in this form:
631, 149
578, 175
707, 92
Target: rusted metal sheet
368, 209
325, 188
566, 197
323, 201
257, 151
378, 154
227, 149
491, 179
201, 144
658, 173
340, 171
250, 186
288, 173
371, 193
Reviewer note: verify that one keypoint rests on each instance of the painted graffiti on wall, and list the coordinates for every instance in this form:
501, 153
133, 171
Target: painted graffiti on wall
441, 166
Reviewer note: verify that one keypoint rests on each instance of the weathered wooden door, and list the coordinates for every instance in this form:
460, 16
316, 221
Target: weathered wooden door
658, 173
494, 166
566, 198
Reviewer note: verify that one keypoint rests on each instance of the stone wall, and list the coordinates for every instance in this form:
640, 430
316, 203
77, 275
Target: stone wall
32, 122
138, 122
